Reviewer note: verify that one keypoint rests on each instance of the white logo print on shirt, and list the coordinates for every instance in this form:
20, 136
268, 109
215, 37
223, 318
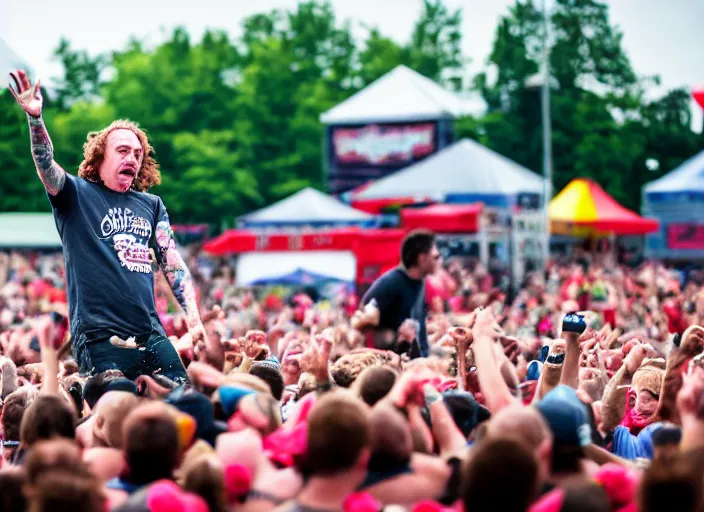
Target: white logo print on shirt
130, 234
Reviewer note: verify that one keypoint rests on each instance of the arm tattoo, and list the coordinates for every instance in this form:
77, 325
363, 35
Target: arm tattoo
51, 174
176, 272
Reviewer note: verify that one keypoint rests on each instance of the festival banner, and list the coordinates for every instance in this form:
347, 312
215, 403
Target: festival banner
685, 236
383, 145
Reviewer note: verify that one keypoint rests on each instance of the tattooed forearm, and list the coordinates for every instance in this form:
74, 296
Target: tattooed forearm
176, 272
179, 279
51, 174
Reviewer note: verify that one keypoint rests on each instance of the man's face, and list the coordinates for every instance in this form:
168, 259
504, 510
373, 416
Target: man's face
646, 403
428, 262
122, 161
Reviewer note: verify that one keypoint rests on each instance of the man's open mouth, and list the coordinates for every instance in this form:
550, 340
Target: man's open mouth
129, 172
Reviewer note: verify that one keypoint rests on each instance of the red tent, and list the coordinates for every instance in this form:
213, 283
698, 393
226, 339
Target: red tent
444, 218
583, 206
376, 250
375, 206
235, 241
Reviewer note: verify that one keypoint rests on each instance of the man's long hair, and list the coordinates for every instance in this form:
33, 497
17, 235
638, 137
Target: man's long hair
94, 151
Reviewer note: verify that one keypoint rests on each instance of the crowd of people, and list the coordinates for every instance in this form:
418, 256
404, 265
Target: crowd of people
136, 378
291, 404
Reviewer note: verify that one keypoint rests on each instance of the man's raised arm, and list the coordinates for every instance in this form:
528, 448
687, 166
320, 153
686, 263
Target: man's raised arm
30, 99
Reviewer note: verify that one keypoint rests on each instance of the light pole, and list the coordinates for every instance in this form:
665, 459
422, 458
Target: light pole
547, 129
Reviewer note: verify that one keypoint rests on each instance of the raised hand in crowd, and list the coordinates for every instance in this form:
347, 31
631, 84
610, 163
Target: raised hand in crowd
316, 358
690, 404
26, 94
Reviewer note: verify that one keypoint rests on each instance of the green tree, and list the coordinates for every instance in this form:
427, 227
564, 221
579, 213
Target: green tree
209, 184
436, 44
664, 129
69, 129
603, 128
510, 126
379, 56
296, 65
434, 48
81, 75
20, 188
234, 123
587, 46
180, 93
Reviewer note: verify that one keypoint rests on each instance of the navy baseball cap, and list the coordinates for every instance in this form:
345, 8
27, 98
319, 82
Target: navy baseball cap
567, 416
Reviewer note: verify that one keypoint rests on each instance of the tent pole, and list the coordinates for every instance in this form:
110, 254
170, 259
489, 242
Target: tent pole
483, 240
547, 129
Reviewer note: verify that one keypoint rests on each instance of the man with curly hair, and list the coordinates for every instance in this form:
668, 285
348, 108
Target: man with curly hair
108, 223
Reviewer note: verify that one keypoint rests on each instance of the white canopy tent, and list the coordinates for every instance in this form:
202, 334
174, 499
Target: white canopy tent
307, 207
688, 177
401, 95
677, 201
28, 231
463, 172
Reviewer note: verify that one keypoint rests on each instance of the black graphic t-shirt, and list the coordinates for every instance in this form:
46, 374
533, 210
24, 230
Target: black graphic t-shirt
399, 298
106, 238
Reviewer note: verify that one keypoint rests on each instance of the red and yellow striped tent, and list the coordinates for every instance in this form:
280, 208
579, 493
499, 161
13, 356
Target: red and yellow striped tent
583, 208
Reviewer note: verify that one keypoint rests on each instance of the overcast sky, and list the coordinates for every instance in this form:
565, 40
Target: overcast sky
661, 36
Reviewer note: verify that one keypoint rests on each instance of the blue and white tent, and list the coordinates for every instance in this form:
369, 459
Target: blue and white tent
684, 182
677, 201
299, 277
307, 208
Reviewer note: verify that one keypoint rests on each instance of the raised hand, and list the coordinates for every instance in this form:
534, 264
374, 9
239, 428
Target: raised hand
408, 330
44, 329
693, 340
316, 358
368, 316
254, 345
511, 347
485, 326
462, 336
408, 389
198, 334
216, 313
690, 398
234, 354
28, 96
185, 348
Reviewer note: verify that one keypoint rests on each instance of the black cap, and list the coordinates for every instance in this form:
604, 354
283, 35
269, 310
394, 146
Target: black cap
97, 385
465, 410
200, 408
667, 435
